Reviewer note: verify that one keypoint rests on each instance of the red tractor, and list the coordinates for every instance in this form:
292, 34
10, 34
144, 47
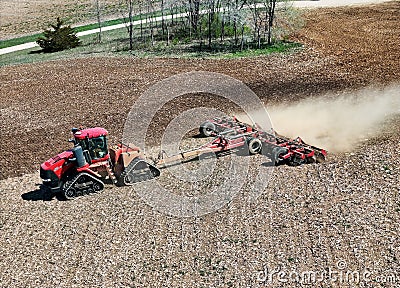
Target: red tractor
84, 168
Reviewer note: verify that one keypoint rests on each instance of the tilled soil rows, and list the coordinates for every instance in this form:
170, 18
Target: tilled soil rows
27, 17
341, 215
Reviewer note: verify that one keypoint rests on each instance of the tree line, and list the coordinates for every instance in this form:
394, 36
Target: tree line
205, 23
237, 22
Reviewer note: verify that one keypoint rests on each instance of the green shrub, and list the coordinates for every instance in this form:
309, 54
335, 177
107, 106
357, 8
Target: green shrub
59, 38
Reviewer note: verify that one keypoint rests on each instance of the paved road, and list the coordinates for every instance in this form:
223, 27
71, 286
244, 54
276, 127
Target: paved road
300, 4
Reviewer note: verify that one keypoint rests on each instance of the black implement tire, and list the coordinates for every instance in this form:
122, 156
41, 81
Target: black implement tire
276, 152
207, 129
320, 158
255, 145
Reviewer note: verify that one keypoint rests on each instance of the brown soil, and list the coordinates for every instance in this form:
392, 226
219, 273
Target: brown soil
26, 17
309, 218
45, 100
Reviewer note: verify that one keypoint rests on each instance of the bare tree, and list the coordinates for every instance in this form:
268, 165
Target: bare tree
256, 12
150, 19
162, 17
211, 14
263, 16
223, 12
194, 14
98, 14
172, 7
205, 20
269, 18
223, 23
237, 16
140, 4
129, 6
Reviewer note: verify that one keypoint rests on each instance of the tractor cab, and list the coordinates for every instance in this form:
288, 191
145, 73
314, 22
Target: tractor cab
93, 142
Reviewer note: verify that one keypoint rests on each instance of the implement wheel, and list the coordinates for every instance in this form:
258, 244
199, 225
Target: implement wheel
255, 146
207, 129
276, 152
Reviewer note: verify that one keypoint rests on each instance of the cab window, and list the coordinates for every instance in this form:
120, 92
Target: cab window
98, 147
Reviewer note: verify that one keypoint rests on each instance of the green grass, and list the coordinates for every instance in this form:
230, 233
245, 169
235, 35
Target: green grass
280, 47
89, 48
19, 40
103, 24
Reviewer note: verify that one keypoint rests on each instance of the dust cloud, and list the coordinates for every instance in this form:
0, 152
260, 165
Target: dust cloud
336, 123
